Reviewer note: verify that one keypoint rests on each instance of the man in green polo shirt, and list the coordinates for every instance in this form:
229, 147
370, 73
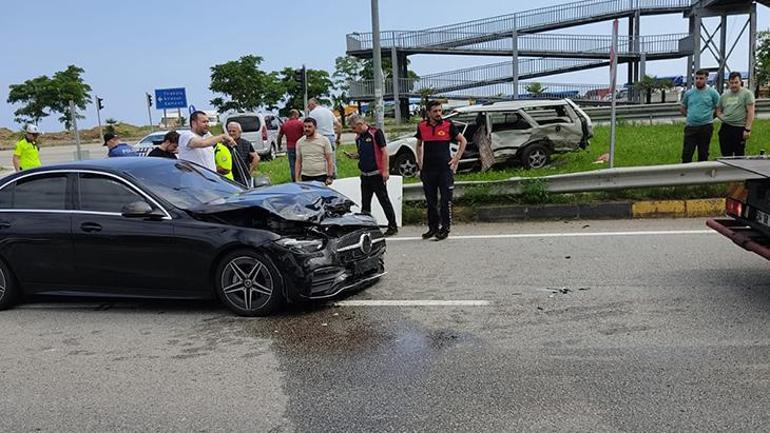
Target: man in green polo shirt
26, 154
699, 105
736, 109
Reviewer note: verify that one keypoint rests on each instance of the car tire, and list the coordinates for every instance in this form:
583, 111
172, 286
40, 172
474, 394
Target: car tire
249, 283
405, 165
9, 290
535, 156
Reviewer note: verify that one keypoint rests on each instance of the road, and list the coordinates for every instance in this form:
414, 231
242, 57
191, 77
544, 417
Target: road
579, 326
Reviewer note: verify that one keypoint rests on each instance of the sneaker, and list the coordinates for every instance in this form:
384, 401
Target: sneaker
429, 234
391, 231
442, 234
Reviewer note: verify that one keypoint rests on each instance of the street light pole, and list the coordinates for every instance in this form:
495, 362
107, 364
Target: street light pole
379, 103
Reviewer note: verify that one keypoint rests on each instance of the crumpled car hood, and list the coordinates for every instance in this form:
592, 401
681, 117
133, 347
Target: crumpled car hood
299, 202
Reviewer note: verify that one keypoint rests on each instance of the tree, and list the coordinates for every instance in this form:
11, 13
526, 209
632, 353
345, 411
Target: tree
534, 89
763, 59
245, 87
649, 83
110, 128
44, 95
319, 86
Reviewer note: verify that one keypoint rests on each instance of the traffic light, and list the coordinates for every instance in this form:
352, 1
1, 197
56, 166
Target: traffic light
299, 76
99, 103
149, 100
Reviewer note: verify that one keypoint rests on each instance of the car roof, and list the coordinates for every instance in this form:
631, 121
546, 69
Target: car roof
112, 165
510, 105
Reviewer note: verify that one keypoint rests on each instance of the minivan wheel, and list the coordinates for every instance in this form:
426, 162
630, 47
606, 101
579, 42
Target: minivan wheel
249, 284
535, 156
405, 165
9, 290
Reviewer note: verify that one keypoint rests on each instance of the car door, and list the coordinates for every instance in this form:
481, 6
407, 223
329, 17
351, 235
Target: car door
120, 254
36, 231
510, 131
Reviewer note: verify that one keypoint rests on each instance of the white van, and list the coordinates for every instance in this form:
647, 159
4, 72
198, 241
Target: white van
255, 129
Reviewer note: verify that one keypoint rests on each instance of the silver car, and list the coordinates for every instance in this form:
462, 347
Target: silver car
525, 131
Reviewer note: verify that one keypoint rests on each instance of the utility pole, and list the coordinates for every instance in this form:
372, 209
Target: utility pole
304, 85
379, 103
74, 114
613, 85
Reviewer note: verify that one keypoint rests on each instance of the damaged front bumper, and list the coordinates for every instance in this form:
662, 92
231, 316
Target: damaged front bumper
342, 264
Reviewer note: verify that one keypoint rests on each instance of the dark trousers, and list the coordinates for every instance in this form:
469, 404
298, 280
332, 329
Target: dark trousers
435, 182
292, 154
697, 137
375, 185
321, 178
731, 142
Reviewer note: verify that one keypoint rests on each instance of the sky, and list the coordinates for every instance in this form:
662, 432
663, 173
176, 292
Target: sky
130, 48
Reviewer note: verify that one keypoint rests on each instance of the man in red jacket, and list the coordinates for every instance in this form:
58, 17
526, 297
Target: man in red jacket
373, 163
293, 130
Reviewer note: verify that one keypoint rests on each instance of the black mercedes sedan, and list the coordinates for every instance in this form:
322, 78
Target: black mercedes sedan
162, 228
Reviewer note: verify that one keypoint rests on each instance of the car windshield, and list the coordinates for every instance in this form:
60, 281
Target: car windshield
185, 185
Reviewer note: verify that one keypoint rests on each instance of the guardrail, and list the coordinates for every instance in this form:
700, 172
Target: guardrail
696, 173
653, 111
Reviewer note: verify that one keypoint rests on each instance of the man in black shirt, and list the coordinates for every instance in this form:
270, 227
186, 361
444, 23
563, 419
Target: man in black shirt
373, 163
168, 148
245, 150
437, 167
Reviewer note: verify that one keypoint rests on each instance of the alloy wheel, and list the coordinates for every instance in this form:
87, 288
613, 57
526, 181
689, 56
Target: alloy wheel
247, 283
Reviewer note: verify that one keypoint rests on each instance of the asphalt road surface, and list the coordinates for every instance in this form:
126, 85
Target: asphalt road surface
581, 326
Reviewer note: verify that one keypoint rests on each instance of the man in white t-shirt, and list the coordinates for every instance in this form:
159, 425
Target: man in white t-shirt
327, 122
197, 144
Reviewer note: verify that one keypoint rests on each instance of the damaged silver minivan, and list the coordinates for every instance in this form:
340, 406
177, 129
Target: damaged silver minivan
528, 132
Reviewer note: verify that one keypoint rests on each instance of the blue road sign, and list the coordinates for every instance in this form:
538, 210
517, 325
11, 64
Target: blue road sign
170, 98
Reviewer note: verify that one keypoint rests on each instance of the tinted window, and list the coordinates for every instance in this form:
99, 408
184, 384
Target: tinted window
47, 192
508, 121
248, 123
150, 138
185, 185
105, 194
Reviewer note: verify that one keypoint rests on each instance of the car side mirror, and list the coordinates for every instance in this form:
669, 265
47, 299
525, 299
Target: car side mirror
137, 209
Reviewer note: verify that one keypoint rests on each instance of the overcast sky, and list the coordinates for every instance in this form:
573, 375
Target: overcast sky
129, 48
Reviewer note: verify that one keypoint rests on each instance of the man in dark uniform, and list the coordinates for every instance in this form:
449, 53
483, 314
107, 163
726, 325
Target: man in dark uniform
373, 163
437, 167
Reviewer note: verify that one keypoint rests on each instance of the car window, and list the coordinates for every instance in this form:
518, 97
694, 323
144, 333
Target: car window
44, 192
185, 185
150, 138
104, 194
508, 121
248, 123
549, 115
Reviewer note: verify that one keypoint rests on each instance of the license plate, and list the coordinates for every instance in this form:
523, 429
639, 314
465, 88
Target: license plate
763, 218
366, 266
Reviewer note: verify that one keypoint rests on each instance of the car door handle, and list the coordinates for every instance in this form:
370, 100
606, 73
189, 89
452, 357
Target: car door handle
5, 225
90, 227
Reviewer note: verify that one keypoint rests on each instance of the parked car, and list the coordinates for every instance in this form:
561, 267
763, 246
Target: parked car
255, 129
146, 144
525, 131
747, 207
162, 228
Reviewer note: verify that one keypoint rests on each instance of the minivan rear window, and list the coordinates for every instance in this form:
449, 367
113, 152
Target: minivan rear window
248, 123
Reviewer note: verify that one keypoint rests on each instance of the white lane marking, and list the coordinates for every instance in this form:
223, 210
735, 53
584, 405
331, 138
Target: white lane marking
568, 235
412, 303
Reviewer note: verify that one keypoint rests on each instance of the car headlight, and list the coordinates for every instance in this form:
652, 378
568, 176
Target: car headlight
305, 246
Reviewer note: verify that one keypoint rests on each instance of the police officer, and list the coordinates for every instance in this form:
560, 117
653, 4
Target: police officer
26, 153
437, 167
